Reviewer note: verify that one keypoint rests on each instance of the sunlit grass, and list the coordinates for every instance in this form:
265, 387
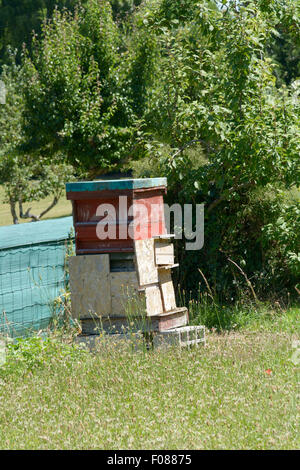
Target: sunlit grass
62, 209
240, 392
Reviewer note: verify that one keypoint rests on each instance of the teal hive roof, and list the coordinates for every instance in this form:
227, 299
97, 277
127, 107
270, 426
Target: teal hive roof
101, 185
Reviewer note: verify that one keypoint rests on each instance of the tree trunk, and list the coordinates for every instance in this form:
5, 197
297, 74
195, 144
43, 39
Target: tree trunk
12, 204
27, 214
54, 202
36, 218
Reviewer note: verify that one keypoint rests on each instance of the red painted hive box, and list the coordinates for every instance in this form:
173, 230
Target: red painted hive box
109, 214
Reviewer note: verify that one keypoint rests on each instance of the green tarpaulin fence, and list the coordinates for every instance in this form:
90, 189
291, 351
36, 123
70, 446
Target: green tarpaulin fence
32, 274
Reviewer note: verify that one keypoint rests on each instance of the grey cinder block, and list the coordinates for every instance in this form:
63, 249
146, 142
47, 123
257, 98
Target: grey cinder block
183, 337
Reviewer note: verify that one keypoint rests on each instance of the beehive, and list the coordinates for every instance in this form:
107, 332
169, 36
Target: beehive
122, 195
124, 279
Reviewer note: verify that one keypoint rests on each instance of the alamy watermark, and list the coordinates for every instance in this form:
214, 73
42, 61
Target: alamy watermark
296, 354
2, 352
2, 92
141, 220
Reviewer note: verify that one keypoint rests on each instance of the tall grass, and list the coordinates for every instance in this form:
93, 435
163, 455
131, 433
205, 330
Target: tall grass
240, 392
206, 309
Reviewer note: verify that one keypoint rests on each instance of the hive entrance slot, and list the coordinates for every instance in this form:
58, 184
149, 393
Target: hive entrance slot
121, 262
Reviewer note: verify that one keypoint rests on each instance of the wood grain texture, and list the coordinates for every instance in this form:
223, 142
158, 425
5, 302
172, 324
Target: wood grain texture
167, 289
145, 264
90, 285
154, 303
164, 252
174, 319
124, 293
117, 325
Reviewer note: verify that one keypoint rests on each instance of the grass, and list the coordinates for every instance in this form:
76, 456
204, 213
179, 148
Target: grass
240, 392
243, 314
62, 209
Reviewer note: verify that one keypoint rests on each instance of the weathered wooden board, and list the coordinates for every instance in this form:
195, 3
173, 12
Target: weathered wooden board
165, 236
164, 322
167, 290
164, 253
90, 286
124, 293
114, 185
169, 266
117, 325
88, 196
154, 305
174, 319
145, 263
121, 341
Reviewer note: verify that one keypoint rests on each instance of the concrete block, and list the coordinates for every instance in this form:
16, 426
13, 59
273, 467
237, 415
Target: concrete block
98, 343
186, 336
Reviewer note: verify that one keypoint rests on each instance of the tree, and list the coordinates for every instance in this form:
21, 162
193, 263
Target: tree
214, 89
74, 97
19, 18
122, 8
25, 178
285, 45
191, 88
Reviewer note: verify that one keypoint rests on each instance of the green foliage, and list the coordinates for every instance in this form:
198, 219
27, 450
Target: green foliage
20, 18
239, 392
284, 46
28, 354
123, 8
243, 315
215, 89
282, 239
11, 113
74, 97
28, 180
221, 90
191, 91
26, 177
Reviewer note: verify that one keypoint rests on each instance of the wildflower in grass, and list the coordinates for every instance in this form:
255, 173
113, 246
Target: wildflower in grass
268, 371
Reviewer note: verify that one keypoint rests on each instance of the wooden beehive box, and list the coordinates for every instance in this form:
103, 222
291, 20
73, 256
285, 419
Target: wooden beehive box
120, 281
86, 198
